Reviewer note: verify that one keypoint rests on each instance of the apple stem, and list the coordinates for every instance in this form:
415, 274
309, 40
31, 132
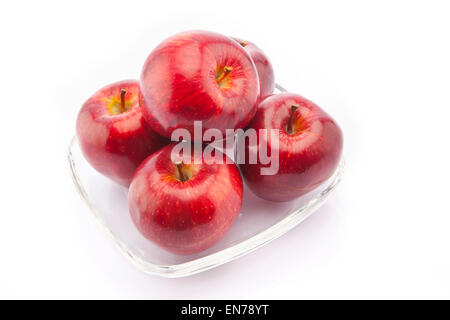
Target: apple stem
180, 171
225, 72
291, 118
122, 99
243, 43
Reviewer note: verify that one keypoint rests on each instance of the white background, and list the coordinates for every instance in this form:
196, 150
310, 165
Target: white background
381, 68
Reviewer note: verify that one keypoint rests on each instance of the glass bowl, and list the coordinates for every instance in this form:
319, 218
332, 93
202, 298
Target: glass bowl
258, 223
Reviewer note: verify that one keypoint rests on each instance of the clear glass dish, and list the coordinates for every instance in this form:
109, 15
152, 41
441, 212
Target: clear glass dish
259, 222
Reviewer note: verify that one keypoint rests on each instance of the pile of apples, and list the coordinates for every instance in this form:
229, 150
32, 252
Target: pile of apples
125, 132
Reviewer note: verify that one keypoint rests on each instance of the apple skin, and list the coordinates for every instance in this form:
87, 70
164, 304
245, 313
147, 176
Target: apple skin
184, 217
179, 84
307, 157
263, 66
116, 144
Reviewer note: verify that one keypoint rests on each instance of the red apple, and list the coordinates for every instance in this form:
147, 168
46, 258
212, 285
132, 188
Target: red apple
263, 66
198, 76
182, 206
113, 134
309, 147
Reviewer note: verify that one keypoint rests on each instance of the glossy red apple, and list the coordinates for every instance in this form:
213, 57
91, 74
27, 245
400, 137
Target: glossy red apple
185, 207
198, 76
309, 147
113, 134
263, 66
